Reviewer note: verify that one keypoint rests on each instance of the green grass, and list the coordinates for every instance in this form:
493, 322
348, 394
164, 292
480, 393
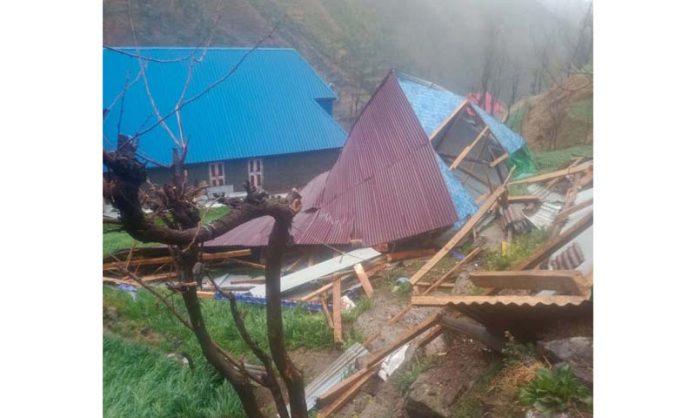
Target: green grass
521, 247
556, 390
142, 382
552, 160
115, 240
146, 318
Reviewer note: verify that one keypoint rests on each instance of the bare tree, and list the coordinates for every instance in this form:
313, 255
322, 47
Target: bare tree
183, 231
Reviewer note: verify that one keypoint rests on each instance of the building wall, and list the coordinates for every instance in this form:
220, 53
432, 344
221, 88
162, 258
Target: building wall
280, 173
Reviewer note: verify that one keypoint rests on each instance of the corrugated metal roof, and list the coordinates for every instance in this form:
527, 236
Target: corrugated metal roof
386, 185
508, 138
267, 107
431, 103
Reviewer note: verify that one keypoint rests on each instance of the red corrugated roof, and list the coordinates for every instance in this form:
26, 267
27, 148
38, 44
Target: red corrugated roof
385, 186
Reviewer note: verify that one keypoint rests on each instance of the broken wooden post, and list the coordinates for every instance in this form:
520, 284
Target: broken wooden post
338, 330
459, 236
364, 280
467, 149
554, 174
476, 251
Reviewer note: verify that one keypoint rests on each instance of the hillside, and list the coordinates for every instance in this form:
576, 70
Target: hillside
558, 118
353, 42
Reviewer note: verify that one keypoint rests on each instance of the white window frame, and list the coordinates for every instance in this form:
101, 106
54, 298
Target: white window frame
216, 174
255, 172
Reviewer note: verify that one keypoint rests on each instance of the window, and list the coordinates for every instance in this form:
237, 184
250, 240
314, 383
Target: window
216, 174
255, 168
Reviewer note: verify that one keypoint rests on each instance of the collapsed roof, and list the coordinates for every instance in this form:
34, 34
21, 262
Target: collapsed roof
387, 184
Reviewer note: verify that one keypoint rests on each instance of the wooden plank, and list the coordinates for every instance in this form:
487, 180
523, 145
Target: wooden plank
505, 300
325, 309
467, 149
563, 215
523, 199
377, 357
472, 254
364, 280
447, 120
554, 174
560, 280
168, 259
498, 160
554, 244
460, 235
428, 284
406, 255
338, 329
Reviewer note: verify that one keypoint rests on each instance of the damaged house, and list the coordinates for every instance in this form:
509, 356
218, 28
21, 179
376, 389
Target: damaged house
270, 124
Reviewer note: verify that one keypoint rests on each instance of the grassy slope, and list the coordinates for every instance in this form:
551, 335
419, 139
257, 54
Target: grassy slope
142, 382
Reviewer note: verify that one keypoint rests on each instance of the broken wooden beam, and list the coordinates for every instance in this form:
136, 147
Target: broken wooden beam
428, 284
455, 269
348, 393
407, 255
364, 280
554, 174
523, 199
566, 281
461, 234
447, 120
319, 292
168, 259
467, 149
498, 160
377, 357
338, 330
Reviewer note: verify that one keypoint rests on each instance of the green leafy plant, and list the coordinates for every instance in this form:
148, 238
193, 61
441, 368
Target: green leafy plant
555, 390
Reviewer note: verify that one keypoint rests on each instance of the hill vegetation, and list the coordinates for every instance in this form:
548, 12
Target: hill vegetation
502, 47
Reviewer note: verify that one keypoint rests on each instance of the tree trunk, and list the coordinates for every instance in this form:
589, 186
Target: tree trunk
280, 236
241, 384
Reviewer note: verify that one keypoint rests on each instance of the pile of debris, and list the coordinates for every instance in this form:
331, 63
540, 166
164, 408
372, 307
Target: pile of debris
387, 200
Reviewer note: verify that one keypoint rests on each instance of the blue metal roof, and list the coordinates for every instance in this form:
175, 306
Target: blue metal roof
508, 138
464, 205
269, 106
431, 103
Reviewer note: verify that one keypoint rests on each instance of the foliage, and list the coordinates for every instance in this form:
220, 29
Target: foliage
404, 379
552, 160
520, 247
142, 382
114, 239
516, 118
555, 390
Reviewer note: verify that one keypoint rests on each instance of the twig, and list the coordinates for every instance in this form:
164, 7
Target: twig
210, 87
